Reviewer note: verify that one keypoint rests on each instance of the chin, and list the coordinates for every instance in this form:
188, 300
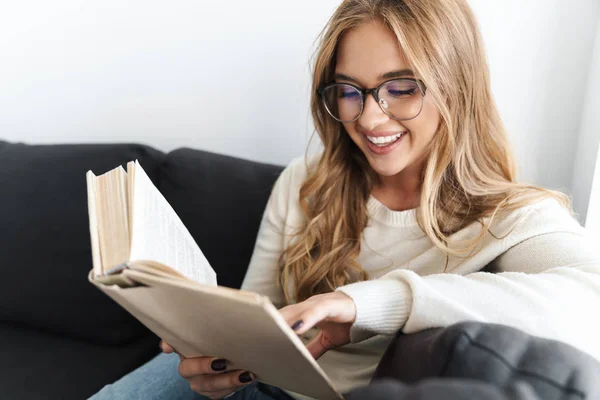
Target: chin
386, 169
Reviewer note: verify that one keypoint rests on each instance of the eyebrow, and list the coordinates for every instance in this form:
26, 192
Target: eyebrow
387, 75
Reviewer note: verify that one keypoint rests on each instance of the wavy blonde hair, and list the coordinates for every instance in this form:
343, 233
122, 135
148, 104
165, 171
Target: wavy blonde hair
470, 171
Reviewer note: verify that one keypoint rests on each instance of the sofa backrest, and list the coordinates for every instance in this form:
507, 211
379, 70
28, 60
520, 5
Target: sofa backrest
44, 228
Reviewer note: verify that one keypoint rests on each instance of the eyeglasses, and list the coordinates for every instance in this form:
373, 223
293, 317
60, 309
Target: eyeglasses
401, 99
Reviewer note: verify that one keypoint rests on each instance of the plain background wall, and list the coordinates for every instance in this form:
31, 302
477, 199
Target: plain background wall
587, 155
540, 55
593, 215
226, 76
233, 77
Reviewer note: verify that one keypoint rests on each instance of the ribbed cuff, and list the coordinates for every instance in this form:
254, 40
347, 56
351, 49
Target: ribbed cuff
382, 307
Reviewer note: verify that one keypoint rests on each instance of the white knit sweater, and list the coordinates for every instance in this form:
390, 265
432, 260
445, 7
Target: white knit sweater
540, 274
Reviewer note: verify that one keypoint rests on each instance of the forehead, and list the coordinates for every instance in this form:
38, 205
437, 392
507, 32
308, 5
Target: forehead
368, 51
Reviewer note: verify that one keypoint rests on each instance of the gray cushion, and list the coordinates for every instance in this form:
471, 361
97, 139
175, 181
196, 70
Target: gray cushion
438, 388
496, 354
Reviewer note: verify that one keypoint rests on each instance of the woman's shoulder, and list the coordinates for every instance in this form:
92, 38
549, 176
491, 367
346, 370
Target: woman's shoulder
285, 196
547, 210
299, 168
543, 216
547, 236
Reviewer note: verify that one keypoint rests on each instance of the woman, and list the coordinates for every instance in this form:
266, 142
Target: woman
398, 223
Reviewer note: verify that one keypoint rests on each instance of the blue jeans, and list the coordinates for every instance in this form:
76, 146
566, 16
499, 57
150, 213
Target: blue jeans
160, 379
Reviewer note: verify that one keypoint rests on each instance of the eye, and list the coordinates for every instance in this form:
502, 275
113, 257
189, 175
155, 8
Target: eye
402, 93
348, 93
401, 88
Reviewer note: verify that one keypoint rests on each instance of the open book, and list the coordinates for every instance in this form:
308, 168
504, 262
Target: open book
147, 261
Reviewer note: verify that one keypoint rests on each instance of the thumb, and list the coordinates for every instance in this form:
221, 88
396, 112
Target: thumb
167, 348
319, 345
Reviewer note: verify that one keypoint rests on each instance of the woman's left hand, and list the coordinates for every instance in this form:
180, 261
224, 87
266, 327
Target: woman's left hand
333, 313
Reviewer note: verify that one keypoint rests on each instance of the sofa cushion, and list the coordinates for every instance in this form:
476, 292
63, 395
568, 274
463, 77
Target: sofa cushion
220, 200
44, 231
496, 354
37, 365
442, 388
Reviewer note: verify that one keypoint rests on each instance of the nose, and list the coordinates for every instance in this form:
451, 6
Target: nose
372, 115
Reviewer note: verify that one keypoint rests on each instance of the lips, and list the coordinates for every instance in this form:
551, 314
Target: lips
381, 140
380, 134
382, 150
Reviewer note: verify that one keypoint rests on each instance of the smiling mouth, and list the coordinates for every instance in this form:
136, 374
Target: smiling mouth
385, 140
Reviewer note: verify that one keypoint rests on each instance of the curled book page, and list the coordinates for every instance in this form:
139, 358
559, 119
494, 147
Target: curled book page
158, 235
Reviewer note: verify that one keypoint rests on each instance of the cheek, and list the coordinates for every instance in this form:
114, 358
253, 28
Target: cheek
426, 124
350, 129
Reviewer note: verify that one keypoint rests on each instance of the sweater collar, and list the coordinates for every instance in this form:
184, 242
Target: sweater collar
378, 211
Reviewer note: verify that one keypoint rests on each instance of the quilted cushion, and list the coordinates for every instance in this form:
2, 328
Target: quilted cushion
496, 354
440, 388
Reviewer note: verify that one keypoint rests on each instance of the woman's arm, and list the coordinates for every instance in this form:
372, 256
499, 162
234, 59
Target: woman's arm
543, 252
548, 285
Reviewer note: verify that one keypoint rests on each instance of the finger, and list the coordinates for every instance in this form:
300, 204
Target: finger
319, 345
191, 367
292, 312
308, 318
168, 349
165, 347
225, 382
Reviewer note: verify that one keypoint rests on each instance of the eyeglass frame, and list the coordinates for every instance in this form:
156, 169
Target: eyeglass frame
375, 92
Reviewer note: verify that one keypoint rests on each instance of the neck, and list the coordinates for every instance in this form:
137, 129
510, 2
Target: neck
401, 191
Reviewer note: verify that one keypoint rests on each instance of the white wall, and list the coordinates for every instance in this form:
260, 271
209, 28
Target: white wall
587, 156
592, 222
226, 76
540, 54
167, 74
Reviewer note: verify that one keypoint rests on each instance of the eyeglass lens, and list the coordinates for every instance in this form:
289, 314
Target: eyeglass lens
401, 99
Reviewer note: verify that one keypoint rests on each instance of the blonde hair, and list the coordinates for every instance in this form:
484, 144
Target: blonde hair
470, 171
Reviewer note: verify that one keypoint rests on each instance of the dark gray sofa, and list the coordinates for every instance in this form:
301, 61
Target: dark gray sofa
63, 339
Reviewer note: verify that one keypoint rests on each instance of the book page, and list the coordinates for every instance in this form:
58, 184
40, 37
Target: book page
130, 180
111, 213
159, 235
91, 196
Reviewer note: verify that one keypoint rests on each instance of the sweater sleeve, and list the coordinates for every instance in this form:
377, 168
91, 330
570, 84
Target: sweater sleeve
546, 285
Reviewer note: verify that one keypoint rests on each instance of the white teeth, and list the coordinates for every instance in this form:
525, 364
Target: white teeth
384, 139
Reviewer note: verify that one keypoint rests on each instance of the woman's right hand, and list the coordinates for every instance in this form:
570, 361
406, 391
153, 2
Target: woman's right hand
210, 376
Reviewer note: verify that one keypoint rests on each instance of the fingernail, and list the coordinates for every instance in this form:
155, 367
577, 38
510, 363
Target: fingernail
245, 377
297, 325
219, 364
